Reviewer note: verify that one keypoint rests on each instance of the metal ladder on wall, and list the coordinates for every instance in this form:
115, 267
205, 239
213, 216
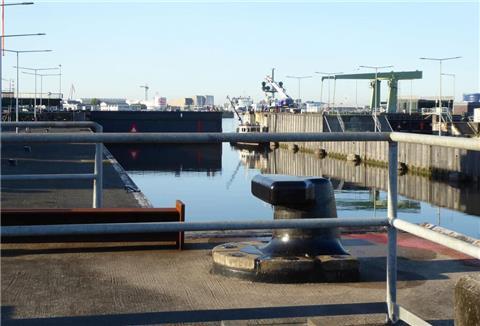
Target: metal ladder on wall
326, 121
446, 117
378, 126
388, 123
340, 121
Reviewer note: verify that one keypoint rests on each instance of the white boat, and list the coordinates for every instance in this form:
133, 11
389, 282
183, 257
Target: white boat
248, 124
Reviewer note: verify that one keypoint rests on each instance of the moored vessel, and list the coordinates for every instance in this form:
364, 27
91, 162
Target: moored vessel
247, 125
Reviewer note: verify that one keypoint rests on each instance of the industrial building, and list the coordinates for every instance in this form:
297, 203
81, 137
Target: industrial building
413, 104
182, 102
196, 101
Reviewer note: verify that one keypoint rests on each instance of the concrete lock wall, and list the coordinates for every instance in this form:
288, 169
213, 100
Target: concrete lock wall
413, 186
425, 159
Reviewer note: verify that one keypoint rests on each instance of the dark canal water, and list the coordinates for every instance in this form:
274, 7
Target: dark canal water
214, 183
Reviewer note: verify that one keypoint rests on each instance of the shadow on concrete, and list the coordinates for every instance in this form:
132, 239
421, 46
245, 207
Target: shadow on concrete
372, 269
441, 322
16, 252
199, 316
24, 191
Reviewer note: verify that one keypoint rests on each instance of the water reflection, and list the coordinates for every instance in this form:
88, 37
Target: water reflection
169, 172
460, 197
175, 158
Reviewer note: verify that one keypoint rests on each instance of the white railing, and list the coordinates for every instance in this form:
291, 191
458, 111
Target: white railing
96, 176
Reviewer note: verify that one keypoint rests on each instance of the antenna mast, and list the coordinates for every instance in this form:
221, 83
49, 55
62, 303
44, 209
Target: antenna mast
146, 91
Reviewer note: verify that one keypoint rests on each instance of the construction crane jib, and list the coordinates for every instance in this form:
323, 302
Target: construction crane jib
278, 88
272, 87
392, 77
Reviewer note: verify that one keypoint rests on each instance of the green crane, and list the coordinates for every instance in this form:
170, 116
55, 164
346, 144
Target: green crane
391, 77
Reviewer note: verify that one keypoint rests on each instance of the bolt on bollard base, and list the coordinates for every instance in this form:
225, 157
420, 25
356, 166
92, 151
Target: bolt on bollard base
292, 255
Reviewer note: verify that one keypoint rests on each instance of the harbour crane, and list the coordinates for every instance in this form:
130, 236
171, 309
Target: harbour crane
72, 91
232, 103
146, 91
272, 87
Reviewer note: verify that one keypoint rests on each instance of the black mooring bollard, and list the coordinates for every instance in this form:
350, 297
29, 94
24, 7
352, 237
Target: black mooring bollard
297, 198
292, 255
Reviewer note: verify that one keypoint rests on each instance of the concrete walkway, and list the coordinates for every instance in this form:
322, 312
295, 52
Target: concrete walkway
142, 283
119, 191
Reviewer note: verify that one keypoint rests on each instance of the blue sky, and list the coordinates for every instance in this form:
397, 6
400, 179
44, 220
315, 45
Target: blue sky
108, 49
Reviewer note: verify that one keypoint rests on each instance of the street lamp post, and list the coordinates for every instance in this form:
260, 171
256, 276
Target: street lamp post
299, 79
328, 74
453, 78
321, 93
17, 53
60, 82
35, 70
41, 83
440, 60
3, 5
356, 94
10, 83
411, 98
334, 91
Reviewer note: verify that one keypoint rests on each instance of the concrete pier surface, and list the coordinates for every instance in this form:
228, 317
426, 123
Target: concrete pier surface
138, 283
119, 190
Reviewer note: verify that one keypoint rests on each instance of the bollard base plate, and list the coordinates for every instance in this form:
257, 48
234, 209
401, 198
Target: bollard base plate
246, 260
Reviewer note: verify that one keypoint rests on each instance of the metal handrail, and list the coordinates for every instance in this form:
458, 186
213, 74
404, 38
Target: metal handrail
27, 177
178, 138
55, 124
394, 311
304, 223
182, 137
158, 227
97, 175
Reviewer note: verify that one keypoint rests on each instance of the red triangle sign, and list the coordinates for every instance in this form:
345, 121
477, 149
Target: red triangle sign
133, 127
134, 154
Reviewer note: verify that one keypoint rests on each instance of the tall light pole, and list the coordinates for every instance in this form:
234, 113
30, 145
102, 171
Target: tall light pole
10, 83
35, 70
299, 79
2, 51
411, 98
3, 36
41, 82
321, 92
440, 60
453, 77
60, 82
18, 52
356, 92
328, 74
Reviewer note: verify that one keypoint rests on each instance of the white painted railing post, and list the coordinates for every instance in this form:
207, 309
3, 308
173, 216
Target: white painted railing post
98, 180
392, 232
98, 171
